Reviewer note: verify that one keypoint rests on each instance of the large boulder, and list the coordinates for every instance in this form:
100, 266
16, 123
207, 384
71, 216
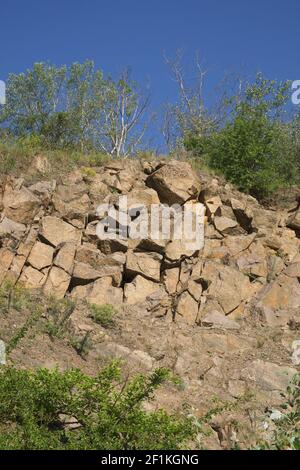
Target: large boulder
145, 264
138, 290
268, 376
175, 182
20, 205
41, 255
56, 231
57, 282
225, 285
32, 278
100, 292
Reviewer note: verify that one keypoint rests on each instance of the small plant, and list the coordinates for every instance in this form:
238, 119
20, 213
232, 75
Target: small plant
88, 172
58, 313
82, 345
103, 315
287, 432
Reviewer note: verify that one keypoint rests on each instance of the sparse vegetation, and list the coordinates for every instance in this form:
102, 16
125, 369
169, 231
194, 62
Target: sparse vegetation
103, 315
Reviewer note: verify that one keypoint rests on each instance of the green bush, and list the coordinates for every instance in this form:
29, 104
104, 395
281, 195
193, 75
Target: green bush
35, 408
254, 148
103, 314
287, 431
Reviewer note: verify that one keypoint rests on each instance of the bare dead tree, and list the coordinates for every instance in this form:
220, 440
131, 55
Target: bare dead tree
123, 121
189, 115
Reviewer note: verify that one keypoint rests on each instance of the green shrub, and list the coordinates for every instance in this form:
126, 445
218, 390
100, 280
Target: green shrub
103, 314
254, 147
108, 413
287, 431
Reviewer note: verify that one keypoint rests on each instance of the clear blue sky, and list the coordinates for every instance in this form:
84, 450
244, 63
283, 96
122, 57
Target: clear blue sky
230, 35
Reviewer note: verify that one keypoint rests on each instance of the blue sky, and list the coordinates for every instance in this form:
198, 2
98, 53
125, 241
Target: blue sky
231, 36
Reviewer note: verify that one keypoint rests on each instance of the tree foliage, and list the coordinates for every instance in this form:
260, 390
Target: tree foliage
76, 107
254, 148
68, 410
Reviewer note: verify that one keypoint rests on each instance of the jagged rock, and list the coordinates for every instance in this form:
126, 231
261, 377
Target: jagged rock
178, 249
19, 261
175, 183
279, 300
6, 258
100, 292
226, 285
65, 257
140, 197
20, 205
243, 213
294, 221
33, 278
41, 256
72, 202
214, 249
85, 272
225, 342
253, 261
195, 289
238, 244
56, 231
171, 279
146, 264
213, 206
10, 227
216, 319
138, 290
187, 309
96, 265
268, 376
224, 224
57, 282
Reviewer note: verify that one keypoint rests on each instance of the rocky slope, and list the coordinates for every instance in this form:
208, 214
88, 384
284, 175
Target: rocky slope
225, 319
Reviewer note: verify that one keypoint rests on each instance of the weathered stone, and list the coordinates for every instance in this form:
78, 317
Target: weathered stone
224, 224
213, 205
253, 261
195, 289
146, 264
56, 231
32, 278
57, 282
100, 292
187, 309
175, 182
237, 244
65, 257
41, 255
294, 221
226, 285
216, 319
20, 205
6, 258
171, 279
243, 213
14, 229
18, 262
99, 265
268, 376
138, 290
